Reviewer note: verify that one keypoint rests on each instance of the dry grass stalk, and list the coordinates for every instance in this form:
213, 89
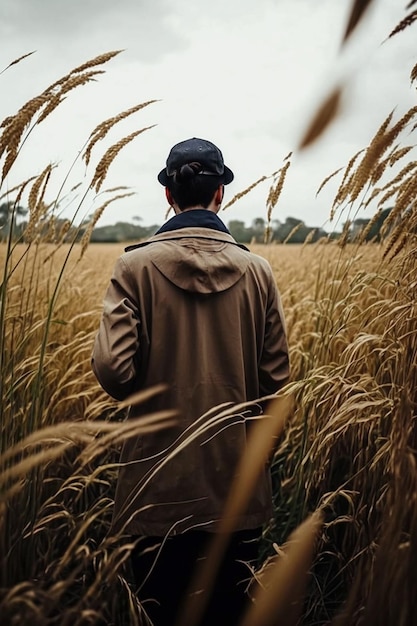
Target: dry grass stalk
376, 148
413, 74
371, 168
104, 127
101, 59
240, 195
327, 179
85, 239
58, 238
327, 111
374, 194
263, 437
343, 187
393, 251
309, 237
54, 440
344, 238
399, 154
406, 194
109, 156
356, 14
395, 155
405, 23
20, 188
281, 583
389, 194
37, 206
276, 189
72, 83
293, 231
40, 182
14, 126
24, 56
365, 231
396, 183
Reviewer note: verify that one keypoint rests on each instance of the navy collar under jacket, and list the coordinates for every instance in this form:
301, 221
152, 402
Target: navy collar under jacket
202, 218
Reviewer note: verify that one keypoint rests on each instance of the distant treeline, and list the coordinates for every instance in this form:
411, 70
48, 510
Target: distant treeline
292, 230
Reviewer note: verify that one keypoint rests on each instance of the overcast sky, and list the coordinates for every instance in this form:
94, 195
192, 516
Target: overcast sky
245, 74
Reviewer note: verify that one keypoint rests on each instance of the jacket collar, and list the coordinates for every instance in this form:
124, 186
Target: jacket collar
200, 218
187, 226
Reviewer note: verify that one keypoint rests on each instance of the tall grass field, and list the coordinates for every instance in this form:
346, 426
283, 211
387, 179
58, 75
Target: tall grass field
342, 547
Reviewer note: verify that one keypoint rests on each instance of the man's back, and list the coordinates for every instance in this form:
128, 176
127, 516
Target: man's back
209, 326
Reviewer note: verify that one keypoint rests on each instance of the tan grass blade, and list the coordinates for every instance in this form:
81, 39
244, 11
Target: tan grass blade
142, 396
24, 56
282, 581
104, 127
263, 437
413, 74
405, 23
322, 118
244, 192
85, 239
356, 14
276, 189
109, 156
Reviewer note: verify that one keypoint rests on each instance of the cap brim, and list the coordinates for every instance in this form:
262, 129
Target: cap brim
228, 176
163, 177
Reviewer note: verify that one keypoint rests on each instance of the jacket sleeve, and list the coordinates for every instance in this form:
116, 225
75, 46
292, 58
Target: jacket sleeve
116, 344
274, 365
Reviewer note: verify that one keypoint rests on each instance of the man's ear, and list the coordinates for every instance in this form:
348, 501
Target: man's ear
218, 197
169, 197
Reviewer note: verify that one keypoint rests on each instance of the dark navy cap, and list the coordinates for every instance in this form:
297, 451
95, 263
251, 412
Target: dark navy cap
196, 151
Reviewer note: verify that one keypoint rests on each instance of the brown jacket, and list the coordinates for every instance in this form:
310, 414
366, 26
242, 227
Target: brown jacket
193, 310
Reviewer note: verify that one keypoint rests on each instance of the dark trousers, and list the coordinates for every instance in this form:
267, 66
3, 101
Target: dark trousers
164, 567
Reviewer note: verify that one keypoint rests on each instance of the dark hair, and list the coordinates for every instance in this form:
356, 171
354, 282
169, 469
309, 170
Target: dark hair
191, 188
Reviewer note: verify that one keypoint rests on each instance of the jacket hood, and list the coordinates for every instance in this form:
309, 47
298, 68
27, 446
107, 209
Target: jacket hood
199, 260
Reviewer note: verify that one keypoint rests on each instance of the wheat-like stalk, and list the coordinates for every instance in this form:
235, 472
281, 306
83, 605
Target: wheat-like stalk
14, 126
377, 147
24, 56
309, 237
396, 236
276, 189
39, 183
327, 111
293, 231
109, 156
96, 216
413, 74
405, 23
341, 193
101, 59
72, 83
356, 14
327, 179
402, 241
103, 128
243, 193
37, 206
344, 238
366, 230
399, 154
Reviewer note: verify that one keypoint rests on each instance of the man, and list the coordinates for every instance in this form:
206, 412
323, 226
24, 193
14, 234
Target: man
196, 311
